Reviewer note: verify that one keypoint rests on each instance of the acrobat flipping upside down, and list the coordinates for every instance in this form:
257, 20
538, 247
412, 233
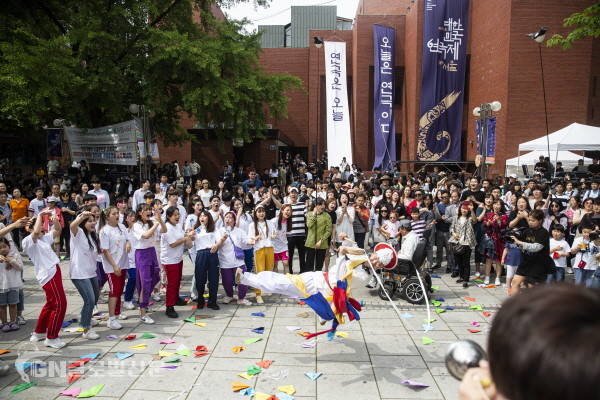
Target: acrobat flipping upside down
327, 293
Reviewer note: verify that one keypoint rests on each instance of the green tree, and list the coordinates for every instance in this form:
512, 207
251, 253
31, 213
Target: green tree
586, 23
86, 61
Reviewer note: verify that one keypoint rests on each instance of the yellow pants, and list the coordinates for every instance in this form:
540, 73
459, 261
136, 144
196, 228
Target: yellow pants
263, 261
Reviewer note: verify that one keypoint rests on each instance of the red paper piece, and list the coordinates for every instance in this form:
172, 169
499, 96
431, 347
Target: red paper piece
194, 307
301, 303
129, 337
470, 299
265, 364
201, 348
198, 354
73, 376
79, 363
487, 313
473, 330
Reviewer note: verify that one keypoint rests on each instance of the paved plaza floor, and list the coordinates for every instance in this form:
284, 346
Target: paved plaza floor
367, 361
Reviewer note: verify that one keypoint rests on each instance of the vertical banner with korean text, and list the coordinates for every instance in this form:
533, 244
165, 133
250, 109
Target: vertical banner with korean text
384, 46
445, 25
489, 142
339, 143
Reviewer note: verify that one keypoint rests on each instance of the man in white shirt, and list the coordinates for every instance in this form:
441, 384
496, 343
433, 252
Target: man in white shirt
410, 240
138, 195
52, 166
195, 169
102, 196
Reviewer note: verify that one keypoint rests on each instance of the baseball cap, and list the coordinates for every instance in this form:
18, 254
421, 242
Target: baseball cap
293, 188
404, 223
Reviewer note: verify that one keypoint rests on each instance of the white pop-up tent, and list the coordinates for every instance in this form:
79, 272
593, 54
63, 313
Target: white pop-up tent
568, 159
573, 137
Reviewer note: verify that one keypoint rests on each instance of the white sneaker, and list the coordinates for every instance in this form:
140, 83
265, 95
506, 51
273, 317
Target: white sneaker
102, 300
36, 337
477, 274
156, 296
95, 310
113, 324
227, 300
94, 322
122, 316
497, 282
244, 302
146, 319
90, 335
54, 343
487, 280
128, 305
259, 300
372, 282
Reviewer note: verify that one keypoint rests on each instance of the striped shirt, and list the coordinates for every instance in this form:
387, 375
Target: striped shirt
418, 227
298, 220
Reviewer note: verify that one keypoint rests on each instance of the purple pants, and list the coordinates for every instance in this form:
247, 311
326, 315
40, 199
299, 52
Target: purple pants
148, 274
228, 278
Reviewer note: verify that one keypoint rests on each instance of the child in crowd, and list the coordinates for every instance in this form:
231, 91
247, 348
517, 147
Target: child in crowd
52, 203
11, 267
195, 208
38, 204
131, 271
207, 260
511, 259
417, 224
586, 247
559, 251
281, 225
391, 229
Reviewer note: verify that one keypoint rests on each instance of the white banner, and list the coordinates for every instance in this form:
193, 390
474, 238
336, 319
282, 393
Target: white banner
339, 143
112, 144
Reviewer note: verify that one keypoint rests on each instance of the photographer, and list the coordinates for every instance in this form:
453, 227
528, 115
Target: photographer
536, 262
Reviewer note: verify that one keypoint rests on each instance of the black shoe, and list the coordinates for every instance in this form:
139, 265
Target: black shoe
171, 313
466, 285
454, 275
448, 270
180, 302
460, 280
200, 305
437, 266
214, 306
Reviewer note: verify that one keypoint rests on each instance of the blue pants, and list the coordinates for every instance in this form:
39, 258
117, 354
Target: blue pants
207, 268
595, 281
130, 286
90, 292
249, 259
583, 276
558, 276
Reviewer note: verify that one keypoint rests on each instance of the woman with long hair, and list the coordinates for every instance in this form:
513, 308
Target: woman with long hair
220, 189
131, 271
207, 260
345, 216
330, 208
461, 232
205, 193
494, 223
114, 247
238, 192
82, 268
188, 195
318, 224
395, 204
243, 219
261, 236
81, 191
158, 193
282, 224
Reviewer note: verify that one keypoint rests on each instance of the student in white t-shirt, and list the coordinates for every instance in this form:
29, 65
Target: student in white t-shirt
207, 260
228, 259
172, 244
559, 251
260, 234
281, 225
131, 271
114, 247
215, 211
82, 268
38, 204
586, 260
196, 207
172, 201
38, 247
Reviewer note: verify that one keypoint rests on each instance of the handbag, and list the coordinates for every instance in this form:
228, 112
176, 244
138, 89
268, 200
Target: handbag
457, 248
238, 251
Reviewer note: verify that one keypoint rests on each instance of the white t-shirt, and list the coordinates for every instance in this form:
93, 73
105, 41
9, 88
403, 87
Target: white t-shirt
560, 262
114, 239
10, 279
205, 197
280, 242
244, 222
589, 256
190, 221
138, 198
217, 218
204, 239
83, 258
42, 255
265, 231
182, 214
140, 243
168, 254
36, 206
226, 253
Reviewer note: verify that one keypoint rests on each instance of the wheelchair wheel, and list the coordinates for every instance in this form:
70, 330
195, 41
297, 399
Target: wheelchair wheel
386, 287
413, 292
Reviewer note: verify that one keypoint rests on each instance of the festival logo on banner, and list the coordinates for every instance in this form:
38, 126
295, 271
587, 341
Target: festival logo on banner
384, 45
443, 79
339, 143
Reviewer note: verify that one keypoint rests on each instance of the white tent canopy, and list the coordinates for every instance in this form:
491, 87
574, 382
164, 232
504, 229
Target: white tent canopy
531, 158
573, 137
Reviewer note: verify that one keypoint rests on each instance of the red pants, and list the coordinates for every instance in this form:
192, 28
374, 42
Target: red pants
53, 313
174, 272
116, 285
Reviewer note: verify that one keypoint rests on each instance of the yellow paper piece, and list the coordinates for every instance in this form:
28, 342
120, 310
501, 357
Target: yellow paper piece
237, 349
261, 396
139, 346
4, 351
237, 386
163, 353
246, 376
287, 389
342, 334
202, 324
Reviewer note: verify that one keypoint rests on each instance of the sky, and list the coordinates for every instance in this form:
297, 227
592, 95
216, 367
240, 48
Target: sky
278, 11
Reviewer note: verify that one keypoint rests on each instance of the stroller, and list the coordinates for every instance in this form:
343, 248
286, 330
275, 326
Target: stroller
403, 278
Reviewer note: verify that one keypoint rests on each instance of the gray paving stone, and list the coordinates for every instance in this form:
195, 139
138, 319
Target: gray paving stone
388, 381
390, 345
347, 387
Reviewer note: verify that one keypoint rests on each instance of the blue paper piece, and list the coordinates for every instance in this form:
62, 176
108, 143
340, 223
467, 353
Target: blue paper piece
313, 375
407, 315
91, 355
26, 366
428, 327
259, 330
247, 392
440, 299
257, 314
66, 324
122, 356
284, 396
436, 276
449, 308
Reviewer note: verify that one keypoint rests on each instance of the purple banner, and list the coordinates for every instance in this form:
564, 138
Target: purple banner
384, 45
489, 144
443, 79
54, 143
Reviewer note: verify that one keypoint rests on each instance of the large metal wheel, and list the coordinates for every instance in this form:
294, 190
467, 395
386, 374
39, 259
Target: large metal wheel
413, 292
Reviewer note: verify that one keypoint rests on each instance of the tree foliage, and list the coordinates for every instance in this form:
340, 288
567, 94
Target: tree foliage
86, 61
586, 23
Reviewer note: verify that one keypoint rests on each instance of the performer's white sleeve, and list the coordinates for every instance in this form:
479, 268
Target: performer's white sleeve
271, 282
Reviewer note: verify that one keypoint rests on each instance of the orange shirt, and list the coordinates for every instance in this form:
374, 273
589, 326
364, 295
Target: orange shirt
19, 208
